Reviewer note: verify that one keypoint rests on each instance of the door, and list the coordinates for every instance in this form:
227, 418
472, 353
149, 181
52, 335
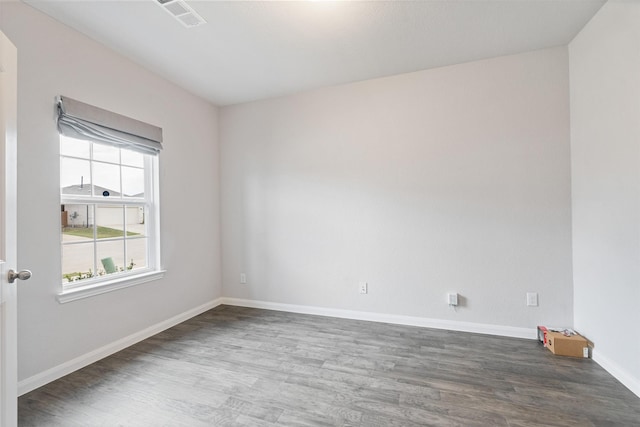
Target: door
8, 306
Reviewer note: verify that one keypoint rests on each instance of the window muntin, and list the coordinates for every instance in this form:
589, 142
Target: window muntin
107, 212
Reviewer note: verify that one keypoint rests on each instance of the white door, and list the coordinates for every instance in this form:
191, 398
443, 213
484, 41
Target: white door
8, 327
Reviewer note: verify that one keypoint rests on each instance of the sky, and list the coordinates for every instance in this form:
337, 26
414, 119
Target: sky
105, 171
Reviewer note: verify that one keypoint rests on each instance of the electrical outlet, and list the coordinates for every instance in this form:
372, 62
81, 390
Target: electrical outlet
363, 287
243, 278
452, 299
532, 299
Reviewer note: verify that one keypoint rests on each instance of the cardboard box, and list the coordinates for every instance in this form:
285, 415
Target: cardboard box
574, 345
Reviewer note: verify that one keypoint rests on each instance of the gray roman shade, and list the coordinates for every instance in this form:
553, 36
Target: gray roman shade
83, 121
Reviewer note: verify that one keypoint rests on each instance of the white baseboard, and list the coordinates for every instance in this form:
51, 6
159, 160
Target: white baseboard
622, 375
66, 368
79, 362
452, 325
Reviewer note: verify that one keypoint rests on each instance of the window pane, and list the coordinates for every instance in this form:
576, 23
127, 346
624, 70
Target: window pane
110, 256
106, 178
77, 222
137, 253
75, 177
105, 235
132, 158
77, 262
132, 182
106, 153
135, 221
74, 147
110, 221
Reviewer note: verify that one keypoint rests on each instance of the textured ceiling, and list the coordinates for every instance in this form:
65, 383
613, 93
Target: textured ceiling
262, 49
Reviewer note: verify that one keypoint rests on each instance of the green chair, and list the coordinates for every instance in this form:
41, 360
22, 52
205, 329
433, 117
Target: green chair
108, 265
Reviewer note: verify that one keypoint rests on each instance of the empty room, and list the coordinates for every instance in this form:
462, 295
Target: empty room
320, 213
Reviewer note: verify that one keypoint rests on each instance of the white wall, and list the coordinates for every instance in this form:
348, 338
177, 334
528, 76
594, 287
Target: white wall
605, 147
453, 179
54, 60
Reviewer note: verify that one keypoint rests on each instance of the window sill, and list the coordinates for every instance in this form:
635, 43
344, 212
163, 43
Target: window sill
103, 287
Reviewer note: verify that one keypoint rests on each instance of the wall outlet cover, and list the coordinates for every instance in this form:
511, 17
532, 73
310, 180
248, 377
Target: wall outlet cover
363, 287
452, 298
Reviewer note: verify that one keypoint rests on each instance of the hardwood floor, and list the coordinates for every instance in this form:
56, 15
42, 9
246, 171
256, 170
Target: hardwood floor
234, 366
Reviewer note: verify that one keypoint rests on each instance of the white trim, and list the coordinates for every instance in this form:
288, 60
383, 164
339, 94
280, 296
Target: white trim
75, 294
452, 325
70, 199
38, 380
622, 375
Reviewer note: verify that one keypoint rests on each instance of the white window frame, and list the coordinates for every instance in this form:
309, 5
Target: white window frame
84, 288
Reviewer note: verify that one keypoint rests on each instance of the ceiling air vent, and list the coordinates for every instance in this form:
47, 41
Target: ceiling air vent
182, 12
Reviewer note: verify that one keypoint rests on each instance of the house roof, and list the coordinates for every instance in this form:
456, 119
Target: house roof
85, 190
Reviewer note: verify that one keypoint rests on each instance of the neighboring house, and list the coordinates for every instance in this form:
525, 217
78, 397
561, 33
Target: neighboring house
81, 215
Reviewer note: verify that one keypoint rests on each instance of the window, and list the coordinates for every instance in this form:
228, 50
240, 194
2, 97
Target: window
108, 206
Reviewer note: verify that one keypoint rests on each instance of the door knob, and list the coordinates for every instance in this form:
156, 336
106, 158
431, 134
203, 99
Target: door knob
22, 275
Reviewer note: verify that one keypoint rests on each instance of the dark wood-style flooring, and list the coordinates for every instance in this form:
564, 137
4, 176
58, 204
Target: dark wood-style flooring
234, 366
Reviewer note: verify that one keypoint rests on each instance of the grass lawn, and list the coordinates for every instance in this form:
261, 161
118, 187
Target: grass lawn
103, 232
